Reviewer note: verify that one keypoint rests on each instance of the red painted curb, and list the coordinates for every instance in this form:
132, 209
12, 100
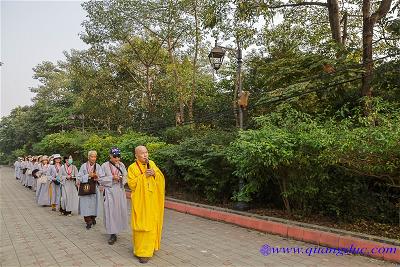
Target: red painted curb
316, 237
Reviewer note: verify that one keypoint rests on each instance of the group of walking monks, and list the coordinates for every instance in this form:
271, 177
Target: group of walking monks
58, 184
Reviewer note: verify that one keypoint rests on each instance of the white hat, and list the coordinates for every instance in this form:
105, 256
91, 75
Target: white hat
56, 156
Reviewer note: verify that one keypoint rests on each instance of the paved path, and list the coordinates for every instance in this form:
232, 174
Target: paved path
36, 236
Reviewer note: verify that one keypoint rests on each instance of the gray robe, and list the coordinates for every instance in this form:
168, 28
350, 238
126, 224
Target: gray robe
42, 191
24, 165
16, 169
115, 207
29, 177
89, 204
35, 166
54, 174
69, 192
20, 166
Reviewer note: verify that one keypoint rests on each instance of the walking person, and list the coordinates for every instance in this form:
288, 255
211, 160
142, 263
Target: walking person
54, 178
21, 169
16, 168
115, 207
35, 168
17, 165
24, 167
147, 184
43, 182
88, 177
29, 176
69, 192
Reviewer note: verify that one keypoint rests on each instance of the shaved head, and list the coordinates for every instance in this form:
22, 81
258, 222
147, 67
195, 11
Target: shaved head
141, 154
138, 149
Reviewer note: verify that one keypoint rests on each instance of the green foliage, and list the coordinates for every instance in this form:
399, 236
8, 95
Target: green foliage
306, 157
198, 164
129, 141
67, 143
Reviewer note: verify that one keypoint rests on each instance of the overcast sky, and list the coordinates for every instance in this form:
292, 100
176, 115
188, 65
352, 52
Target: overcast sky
32, 32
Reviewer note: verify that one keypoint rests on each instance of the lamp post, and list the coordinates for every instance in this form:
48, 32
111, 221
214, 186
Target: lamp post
216, 57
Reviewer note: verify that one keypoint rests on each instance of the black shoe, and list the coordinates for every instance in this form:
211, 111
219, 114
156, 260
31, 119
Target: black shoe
144, 259
112, 239
88, 226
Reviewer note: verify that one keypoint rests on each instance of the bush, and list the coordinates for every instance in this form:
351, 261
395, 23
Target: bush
322, 167
66, 143
199, 165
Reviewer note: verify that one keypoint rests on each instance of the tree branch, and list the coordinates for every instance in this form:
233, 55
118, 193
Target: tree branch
383, 9
297, 4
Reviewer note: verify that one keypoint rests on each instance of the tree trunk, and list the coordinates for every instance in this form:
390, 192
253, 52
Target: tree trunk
344, 34
174, 67
334, 20
176, 80
368, 31
148, 90
196, 50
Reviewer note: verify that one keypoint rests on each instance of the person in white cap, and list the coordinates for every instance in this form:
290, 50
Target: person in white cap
43, 183
55, 178
115, 208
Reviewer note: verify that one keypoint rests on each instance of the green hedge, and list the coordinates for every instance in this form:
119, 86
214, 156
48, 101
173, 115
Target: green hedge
342, 169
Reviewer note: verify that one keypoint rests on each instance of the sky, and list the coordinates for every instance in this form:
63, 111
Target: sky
32, 32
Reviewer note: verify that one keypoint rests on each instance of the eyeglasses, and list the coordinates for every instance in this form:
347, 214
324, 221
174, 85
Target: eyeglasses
116, 156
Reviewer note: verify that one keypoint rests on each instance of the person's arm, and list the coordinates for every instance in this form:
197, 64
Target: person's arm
74, 173
99, 171
159, 176
63, 175
51, 173
132, 178
124, 174
106, 179
83, 176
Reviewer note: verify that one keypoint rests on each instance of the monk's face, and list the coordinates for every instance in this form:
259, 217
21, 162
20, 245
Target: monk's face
92, 158
45, 162
142, 154
57, 160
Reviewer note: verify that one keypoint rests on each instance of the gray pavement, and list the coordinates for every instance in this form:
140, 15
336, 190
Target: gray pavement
36, 236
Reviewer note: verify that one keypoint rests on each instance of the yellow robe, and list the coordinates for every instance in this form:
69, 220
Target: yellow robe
147, 199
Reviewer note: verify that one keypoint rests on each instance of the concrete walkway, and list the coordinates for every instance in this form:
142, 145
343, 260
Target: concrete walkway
36, 236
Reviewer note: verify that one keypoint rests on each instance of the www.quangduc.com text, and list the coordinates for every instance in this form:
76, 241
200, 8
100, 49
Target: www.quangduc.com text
269, 250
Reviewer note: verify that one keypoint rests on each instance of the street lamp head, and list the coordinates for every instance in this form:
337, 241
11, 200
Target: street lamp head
216, 56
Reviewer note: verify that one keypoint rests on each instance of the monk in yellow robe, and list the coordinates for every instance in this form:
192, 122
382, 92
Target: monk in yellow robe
147, 184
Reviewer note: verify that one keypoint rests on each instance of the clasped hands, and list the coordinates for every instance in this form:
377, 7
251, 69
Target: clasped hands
150, 172
93, 175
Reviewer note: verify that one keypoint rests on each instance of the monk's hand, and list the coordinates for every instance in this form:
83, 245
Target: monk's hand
150, 172
91, 174
116, 177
